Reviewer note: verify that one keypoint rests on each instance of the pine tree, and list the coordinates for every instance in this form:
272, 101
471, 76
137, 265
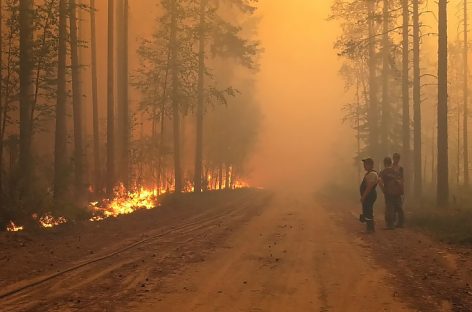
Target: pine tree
60, 154
26, 94
443, 166
95, 110
110, 103
76, 101
417, 145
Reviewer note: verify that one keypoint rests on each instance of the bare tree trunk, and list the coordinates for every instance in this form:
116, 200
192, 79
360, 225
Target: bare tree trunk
227, 176
466, 98
443, 170
406, 91
358, 129
175, 99
2, 107
458, 154
60, 149
434, 160
6, 105
220, 176
163, 118
96, 118
417, 184
122, 81
386, 125
76, 101
125, 127
373, 104
200, 101
110, 104
26, 94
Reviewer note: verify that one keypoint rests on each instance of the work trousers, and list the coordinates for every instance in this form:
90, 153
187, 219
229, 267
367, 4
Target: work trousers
393, 211
368, 211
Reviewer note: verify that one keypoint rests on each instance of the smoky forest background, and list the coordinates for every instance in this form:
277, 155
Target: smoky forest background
406, 68
182, 119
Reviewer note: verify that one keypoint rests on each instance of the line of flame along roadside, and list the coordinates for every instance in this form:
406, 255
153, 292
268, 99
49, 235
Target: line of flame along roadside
124, 202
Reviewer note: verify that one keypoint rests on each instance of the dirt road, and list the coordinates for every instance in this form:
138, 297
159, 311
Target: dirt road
244, 252
291, 257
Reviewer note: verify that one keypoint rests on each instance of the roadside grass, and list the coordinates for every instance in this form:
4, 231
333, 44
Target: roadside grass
451, 225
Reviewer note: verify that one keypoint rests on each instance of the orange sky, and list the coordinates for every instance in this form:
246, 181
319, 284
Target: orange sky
301, 94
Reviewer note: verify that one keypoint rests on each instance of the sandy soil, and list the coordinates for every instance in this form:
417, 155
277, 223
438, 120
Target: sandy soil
241, 251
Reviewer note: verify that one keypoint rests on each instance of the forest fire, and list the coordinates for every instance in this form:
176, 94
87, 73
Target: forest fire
125, 202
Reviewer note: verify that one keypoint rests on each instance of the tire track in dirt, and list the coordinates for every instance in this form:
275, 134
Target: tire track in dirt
136, 258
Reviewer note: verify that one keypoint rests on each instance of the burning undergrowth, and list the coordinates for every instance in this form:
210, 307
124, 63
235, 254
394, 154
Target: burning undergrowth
123, 202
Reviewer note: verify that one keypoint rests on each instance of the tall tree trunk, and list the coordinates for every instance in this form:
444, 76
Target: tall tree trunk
6, 96
60, 149
458, 154
220, 176
200, 101
443, 170
358, 128
123, 114
433, 153
406, 90
110, 104
386, 124
227, 176
373, 104
119, 91
96, 130
125, 109
26, 94
2, 107
466, 98
175, 98
76, 100
418, 181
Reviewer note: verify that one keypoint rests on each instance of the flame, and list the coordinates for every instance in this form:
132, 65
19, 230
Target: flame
12, 227
127, 202
124, 202
48, 221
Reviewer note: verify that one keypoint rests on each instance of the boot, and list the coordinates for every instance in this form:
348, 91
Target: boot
370, 226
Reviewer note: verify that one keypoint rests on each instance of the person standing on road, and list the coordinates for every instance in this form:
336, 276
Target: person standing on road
400, 176
368, 194
389, 186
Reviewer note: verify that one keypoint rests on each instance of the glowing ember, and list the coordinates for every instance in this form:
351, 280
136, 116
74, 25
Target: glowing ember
48, 221
12, 227
124, 203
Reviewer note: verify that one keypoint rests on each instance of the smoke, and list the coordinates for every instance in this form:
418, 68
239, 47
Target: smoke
303, 144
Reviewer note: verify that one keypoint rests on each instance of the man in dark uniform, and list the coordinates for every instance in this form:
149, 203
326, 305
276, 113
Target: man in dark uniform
368, 194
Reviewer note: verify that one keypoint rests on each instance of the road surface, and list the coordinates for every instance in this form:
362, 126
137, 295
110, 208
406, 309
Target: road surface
248, 252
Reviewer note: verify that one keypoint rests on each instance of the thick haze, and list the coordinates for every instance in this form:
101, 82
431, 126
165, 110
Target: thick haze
301, 95
302, 140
